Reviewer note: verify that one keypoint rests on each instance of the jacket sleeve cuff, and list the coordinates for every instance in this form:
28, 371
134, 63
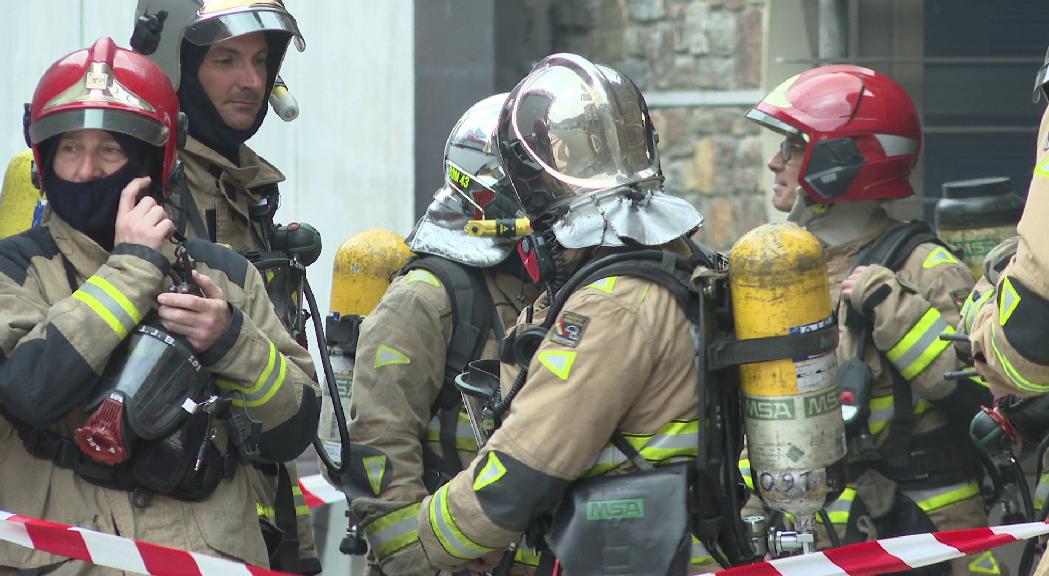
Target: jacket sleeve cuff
227, 340
867, 292
145, 253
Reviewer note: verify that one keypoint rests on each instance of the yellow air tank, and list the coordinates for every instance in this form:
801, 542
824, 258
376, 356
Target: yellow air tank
19, 197
363, 266
792, 408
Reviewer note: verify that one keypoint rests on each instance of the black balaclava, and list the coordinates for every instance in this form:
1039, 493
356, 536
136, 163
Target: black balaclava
205, 123
91, 207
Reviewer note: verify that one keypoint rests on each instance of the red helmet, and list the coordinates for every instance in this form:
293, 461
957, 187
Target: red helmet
108, 88
862, 130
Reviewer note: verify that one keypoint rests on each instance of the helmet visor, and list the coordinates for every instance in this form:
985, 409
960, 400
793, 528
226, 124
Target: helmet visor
587, 132
145, 129
211, 30
1041, 81
774, 124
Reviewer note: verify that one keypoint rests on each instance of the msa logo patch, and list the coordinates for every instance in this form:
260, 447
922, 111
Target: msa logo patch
569, 329
822, 403
615, 509
761, 409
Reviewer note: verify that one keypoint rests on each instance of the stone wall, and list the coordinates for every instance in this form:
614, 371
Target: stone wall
711, 156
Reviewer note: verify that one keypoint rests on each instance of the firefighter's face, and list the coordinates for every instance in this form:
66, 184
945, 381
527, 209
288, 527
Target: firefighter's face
87, 155
234, 77
786, 167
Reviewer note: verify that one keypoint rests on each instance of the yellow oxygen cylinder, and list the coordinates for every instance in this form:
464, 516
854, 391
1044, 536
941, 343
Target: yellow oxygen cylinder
19, 197
363, 267
792, 407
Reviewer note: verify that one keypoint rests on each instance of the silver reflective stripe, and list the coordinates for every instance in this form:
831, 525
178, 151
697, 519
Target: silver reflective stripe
112, 305
894, 145
928, 338
610, 456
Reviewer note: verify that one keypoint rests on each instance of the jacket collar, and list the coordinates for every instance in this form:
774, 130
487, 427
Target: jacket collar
252, 172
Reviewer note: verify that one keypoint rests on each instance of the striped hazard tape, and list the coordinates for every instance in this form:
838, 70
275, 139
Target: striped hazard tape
112, 551
893, 554
316, 491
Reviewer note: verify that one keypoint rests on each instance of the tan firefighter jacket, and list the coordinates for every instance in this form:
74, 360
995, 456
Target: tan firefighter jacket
398, 375
224, 193
1008, 330
228, 191
619, 358
55, 340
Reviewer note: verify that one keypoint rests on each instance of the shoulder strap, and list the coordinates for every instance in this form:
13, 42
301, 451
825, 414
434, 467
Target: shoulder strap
190, 210
894, 247
891, 250
472, 314
472, 310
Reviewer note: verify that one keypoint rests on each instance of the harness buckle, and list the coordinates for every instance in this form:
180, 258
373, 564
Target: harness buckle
919, 461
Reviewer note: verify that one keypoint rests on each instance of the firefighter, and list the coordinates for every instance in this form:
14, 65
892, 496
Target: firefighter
103, 130
616, 362
1005, 313
449, 306
223, 58
851, 137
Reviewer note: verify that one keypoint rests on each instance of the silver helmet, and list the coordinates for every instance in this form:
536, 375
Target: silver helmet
578, 145
475, 188
205, 22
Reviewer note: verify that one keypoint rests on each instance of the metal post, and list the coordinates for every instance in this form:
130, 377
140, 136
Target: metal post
834, 29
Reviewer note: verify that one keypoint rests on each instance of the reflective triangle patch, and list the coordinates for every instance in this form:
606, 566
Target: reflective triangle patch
375, 466
387, 355
985, 564
493, 470
939, 255
558, 361
1042, 170
424, 276
605, 285
1008, 300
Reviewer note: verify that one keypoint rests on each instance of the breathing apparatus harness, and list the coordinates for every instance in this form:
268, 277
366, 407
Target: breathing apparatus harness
150, 426
282, 264
710, 488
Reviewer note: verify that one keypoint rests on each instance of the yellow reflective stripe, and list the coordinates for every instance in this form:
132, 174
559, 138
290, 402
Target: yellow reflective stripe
939, 255
1041, 491
491, 473
700, 554
264, 512
744, 471
1042, 170
126, 305
464, 436
559, 362
448, 533
526, 556
1008, 301
102, 312
391, 532
266, 385
936, 498
1014, 375
920, 345
606, 285
882, 410
838, 510
971, 307
301, 509
678, 440
423, 276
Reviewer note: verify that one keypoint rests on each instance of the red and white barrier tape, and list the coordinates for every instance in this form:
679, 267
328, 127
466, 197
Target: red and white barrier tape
893, 554
112, 551
316, 491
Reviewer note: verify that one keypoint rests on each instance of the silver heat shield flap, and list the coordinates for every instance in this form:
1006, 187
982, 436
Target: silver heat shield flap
442, 232
608, 219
